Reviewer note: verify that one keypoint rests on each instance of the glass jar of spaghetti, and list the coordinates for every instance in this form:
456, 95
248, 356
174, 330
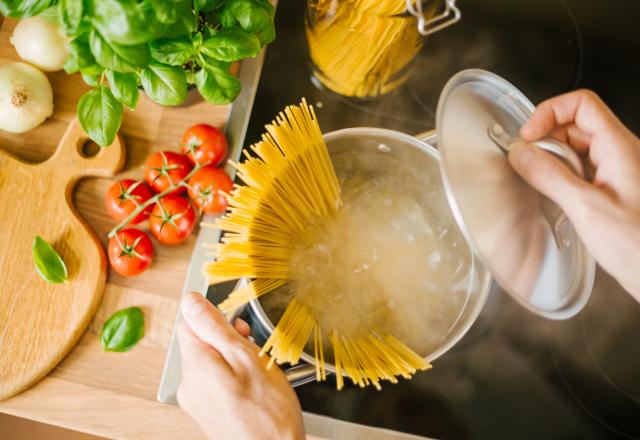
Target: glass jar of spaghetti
365, 48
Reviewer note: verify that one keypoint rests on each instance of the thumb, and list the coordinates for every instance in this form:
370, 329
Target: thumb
547, 174
208, 323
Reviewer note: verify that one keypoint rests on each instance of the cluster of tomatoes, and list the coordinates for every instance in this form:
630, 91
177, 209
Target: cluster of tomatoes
190, 183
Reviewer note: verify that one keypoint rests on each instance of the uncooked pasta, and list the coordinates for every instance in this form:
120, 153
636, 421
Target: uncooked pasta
362, 48
291, 194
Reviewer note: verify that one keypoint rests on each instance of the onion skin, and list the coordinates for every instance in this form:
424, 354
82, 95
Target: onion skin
26, 98
41, 43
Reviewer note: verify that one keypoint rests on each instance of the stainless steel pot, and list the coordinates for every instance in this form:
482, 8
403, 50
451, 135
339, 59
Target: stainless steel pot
515, 235
406, 148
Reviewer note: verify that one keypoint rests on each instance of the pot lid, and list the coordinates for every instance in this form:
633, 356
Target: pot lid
522, 237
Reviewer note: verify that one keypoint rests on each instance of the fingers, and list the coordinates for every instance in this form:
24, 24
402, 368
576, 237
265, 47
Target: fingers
582, 108
571, 135
548, 175
196, 353
209, 324
242, 327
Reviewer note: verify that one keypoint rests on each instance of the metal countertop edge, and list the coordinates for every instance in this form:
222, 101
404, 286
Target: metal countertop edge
195, 281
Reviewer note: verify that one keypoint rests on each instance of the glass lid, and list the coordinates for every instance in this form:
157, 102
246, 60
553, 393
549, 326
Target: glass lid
522, 237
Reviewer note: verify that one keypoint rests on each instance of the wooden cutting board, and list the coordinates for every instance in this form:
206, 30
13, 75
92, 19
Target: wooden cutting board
40, 321
90, 389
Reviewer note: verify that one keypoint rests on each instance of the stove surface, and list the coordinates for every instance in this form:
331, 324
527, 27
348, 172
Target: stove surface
514, 375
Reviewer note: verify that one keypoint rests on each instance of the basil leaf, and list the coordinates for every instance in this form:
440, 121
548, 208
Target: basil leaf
91, 79
217, 85
174, 51
125, 22
207, 5
70, 13
227, 19
51, 14
252, 16
116, 57
93, 70
123, 330
71, 65
266, 34
24, 8
169, 11
124, 87
190, 21
49, 264
166, 85
100, 115
269, 7
231, 45
80, 50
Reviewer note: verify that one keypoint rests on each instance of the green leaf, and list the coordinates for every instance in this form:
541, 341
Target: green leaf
269, 7
207, 5
80, 50
92, 80
123, 330
49, 264
190, 21
24, 8
116, 57
124, 87
50, 14
217, 85
227, 19
71, 65
166, 85
169, 11
252, 16
93, 70
231, 44
173, 51
126, 22
100, 115
266, 34
70, 13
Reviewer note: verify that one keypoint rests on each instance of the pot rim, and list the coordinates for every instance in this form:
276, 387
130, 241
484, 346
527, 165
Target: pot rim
424, 145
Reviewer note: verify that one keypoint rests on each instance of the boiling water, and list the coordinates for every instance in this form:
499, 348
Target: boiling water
391, 261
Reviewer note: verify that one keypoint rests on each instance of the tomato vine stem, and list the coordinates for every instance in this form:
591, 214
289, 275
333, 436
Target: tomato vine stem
142, 206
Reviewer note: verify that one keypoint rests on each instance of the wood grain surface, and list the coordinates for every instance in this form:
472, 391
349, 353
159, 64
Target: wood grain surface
40, 321
111, 394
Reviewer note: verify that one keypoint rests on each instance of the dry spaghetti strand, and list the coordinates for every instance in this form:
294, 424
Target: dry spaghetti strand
362, 48
290, 185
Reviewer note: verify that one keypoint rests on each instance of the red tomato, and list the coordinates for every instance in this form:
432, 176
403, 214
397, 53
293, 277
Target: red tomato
124, 196
172, 219
204, 144
164, 168
131, 252
205, 186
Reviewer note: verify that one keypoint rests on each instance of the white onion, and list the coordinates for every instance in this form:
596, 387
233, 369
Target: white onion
41, 43
26, 98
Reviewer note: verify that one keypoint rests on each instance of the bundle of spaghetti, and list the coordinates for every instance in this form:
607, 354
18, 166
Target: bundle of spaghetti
290, 190
362, 48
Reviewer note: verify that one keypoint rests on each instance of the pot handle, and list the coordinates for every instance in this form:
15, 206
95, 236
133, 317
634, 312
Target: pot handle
563, 151
300, 374
568, 156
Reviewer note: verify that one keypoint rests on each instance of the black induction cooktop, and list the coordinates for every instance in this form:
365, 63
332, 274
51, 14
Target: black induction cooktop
514, 375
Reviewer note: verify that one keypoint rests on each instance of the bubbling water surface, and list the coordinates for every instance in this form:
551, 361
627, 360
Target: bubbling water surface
391, 261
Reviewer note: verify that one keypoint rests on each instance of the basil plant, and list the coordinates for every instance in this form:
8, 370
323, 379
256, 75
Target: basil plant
163, 46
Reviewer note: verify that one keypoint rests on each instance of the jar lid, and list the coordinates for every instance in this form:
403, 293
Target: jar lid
522, 237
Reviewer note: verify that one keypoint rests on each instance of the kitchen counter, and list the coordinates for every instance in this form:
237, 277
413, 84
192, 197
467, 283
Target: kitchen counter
113, 394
